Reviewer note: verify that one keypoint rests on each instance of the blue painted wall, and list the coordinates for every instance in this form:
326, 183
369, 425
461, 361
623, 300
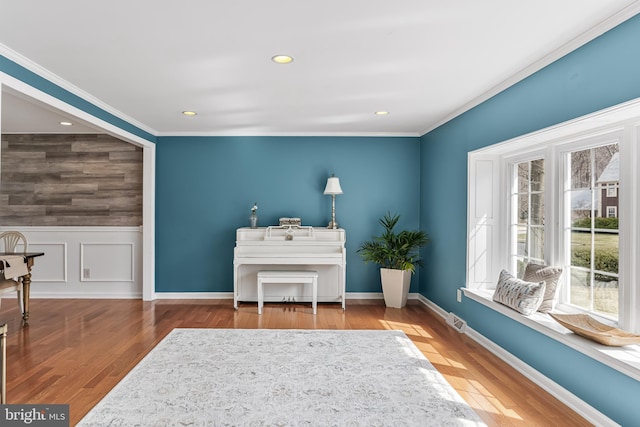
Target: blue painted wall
207, 185
600, 74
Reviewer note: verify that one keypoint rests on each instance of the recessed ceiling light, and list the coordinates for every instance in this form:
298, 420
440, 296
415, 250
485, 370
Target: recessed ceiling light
381, 113
282, 59
66, 123
189, 113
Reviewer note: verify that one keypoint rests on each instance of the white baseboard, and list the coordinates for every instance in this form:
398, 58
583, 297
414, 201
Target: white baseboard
364, 295
194, 295
376, 295
35, 294
180, 295
562, 394
85, 295
229, 295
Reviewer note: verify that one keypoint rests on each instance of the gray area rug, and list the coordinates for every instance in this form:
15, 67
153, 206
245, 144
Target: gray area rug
246, 377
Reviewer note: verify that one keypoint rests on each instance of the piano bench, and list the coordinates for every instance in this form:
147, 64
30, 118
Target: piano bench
274, 276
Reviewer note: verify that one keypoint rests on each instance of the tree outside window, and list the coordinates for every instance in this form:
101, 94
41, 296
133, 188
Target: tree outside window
527, 225
594, 241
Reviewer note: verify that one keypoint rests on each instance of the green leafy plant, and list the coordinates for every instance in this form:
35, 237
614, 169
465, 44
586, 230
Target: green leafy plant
604, 261
604, 223
398, 251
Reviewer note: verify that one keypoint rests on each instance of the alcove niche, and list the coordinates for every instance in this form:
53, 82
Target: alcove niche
81, 190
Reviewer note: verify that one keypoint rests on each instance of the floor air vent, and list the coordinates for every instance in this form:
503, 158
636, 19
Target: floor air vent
456, 323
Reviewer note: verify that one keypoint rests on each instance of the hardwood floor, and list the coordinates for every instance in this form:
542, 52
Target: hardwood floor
75, 351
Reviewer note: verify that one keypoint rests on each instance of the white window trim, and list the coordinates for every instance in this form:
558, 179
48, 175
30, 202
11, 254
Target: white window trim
611, 135
623, 359
486, 256
614, 210
508, 166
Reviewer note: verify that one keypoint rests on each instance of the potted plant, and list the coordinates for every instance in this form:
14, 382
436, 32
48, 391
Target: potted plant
397, 254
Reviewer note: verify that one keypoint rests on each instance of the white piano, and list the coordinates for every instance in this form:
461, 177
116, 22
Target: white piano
289, 248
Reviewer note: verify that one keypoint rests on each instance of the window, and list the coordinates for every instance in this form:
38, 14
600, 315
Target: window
593, 245
527, 219
566, 196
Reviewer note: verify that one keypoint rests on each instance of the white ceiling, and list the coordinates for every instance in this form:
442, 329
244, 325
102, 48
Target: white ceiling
425, 61
21, 114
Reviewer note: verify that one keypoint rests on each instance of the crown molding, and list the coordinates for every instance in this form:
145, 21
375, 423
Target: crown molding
604, 26
589, 35
293, 134
59, 81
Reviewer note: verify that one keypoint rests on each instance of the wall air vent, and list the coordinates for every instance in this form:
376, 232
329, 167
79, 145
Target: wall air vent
456, 322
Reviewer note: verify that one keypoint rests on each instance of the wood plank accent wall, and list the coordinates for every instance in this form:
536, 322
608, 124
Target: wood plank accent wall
70, 180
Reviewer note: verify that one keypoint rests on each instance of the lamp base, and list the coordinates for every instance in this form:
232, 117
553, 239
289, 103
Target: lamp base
333, 225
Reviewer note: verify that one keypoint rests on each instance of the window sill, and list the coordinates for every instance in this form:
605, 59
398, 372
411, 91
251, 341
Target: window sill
624, 359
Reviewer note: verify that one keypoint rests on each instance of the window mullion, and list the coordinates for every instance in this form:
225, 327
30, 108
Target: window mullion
529, 215
592, 256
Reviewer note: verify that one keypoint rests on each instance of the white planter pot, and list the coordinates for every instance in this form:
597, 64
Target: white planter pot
395, 286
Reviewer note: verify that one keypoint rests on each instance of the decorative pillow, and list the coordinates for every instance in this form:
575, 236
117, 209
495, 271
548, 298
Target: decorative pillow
550, 277
524, 297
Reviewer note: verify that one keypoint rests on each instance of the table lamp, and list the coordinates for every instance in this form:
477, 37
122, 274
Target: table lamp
333, 188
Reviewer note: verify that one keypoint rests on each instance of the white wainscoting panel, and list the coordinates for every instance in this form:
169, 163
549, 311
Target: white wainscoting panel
113, 256
119, 267
53, 266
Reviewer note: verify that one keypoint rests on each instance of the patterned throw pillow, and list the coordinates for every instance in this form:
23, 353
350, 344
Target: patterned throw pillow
524, 297
550, 277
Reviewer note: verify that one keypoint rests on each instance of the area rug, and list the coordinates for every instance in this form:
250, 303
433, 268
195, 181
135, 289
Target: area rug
243, 377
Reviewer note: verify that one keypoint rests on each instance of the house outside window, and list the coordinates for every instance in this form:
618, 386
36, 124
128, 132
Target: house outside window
592, 249
608, 182
564, 197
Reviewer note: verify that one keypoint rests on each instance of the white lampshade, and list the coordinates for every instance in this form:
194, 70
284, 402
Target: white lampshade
333, 186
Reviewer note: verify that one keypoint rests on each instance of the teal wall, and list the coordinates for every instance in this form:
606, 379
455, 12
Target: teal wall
207, 185
600, 74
